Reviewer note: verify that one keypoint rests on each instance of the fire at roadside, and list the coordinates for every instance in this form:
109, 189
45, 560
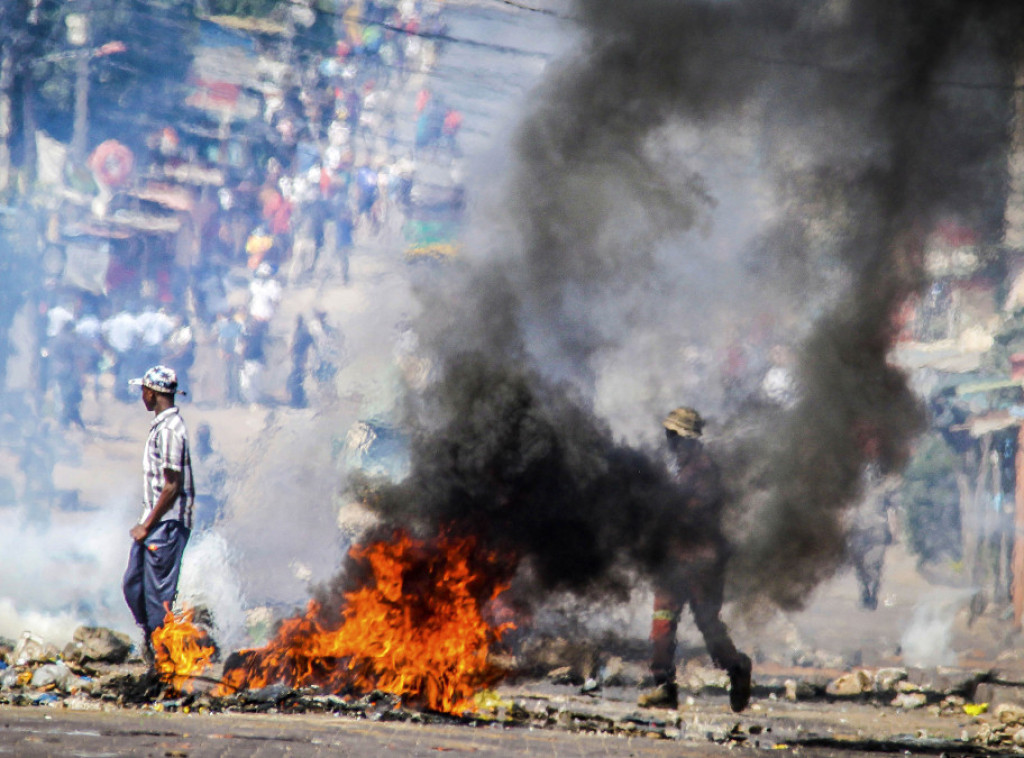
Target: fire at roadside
571, 685
414, 627
423, 633
424, 636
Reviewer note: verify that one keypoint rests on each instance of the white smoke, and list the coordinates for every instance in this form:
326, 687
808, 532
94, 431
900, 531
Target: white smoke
209, 579
928, 639
55, 577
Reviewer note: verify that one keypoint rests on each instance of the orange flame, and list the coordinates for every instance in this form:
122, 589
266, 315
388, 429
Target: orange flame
179, 650
415, 628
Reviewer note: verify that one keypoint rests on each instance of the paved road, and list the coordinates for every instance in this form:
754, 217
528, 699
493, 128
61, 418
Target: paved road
35, 732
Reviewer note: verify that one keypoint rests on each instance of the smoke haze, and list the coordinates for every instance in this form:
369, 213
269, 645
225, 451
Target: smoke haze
698, 191
57, 576
700, 179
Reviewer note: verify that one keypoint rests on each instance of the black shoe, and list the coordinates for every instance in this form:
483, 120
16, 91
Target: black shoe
665, 695
739, 679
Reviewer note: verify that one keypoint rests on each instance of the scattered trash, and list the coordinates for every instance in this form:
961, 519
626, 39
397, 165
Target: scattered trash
56, 675
32, 649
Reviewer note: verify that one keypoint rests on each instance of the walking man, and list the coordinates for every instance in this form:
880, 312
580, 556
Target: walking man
694, 575
159, 539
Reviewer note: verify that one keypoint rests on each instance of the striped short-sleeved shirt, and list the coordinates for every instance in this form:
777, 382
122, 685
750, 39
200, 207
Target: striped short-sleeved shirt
167, 448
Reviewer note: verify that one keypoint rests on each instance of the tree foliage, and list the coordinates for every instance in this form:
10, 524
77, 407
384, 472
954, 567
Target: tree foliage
931, 501
242, 7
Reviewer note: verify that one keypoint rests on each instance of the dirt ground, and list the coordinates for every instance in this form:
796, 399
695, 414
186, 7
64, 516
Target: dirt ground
282, 535
578, 725
32, 733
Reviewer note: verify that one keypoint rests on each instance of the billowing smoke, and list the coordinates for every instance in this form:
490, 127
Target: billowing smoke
71, 561
927, 641
705, 179
522, 463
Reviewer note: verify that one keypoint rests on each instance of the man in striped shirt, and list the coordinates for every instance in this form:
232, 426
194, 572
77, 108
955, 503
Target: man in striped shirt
159, 538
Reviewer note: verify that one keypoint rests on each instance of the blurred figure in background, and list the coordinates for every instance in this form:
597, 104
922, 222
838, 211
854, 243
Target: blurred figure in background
211, 476
302, 342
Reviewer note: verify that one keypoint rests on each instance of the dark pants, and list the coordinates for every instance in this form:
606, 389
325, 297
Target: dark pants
696, 580
151, 580
867, 553
294, 384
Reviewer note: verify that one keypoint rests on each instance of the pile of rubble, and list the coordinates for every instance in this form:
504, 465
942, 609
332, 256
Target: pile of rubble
34, 672
940, 689
982, 710
1006, 730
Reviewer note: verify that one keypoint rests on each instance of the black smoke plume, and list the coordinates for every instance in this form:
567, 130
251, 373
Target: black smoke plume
523, 464
863, 123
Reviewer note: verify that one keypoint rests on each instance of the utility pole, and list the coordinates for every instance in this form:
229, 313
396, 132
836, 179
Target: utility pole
1013, 239
6, 82
78, 36
1017, 560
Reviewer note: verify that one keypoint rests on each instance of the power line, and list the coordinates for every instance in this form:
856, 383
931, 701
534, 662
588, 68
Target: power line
511, 50
544, 11
447, 38
795, 63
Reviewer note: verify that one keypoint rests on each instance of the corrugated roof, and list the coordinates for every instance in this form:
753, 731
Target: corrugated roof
249, 24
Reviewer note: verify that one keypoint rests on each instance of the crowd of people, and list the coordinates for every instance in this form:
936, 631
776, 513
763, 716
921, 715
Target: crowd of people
272, 203
325, 164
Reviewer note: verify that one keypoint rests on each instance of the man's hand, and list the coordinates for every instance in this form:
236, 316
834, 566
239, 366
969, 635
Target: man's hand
169, 493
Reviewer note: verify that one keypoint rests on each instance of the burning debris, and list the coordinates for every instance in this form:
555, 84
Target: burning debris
414, 625
181, 650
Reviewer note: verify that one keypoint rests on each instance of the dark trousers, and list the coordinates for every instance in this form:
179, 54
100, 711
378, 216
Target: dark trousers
151, 580
697, 581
